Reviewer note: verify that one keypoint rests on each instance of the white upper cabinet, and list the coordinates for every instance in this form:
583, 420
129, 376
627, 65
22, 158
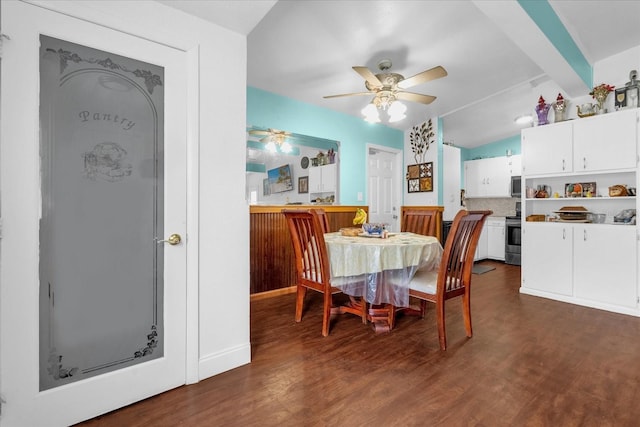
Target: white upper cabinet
547, 149
323, 179
605, 142
487, 177
515, 165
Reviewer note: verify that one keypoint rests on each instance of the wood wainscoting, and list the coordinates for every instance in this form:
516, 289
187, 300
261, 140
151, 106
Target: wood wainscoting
271, 253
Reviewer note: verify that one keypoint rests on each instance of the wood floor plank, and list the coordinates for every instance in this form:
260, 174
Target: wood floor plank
531, 362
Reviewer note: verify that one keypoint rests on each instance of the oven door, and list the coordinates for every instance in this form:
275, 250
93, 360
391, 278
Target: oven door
513, 241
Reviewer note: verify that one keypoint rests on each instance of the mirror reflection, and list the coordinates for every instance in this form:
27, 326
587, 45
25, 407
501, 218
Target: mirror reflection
288, 168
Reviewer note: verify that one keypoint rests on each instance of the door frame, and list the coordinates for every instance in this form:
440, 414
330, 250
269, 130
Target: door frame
190, 50
93, 14
398, 162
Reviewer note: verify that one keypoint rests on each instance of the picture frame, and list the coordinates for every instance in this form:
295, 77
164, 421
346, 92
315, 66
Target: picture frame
580, 189
420, 177
621, 98
266, 187
303, 184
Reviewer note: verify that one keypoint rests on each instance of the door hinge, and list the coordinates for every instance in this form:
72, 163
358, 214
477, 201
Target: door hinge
1, 402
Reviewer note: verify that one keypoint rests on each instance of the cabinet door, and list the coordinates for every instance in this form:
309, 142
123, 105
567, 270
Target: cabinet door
483, 245
495, 241
604, 142
498, 178
547, 262
473, 179
329, 177
515, 165
605, 271
547, 149
315, 179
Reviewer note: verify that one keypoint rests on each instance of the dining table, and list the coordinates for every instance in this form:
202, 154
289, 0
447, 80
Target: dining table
379, 270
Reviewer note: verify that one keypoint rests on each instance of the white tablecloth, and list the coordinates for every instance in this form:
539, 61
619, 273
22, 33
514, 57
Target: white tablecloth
380, 270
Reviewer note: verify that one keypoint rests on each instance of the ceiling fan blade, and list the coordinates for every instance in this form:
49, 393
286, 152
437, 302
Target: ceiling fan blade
423, 77
415, 97
368, 76
347, 94
259, 132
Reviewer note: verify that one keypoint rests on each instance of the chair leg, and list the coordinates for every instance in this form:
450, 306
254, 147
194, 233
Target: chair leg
363, 313
392, 316
442, 335
300, 294
326, 316
423, 308
466, 314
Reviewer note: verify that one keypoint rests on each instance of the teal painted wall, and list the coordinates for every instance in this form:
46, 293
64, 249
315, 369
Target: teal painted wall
494, 149
268, 110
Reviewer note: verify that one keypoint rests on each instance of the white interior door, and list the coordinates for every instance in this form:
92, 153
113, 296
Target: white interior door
93, 172
384, 186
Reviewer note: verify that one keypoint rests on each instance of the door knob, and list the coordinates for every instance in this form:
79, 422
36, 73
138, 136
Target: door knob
173, 240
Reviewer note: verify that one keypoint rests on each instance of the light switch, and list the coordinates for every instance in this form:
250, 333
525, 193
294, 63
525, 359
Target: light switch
360, 197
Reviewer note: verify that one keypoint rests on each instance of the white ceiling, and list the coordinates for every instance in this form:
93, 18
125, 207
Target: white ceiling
494, 54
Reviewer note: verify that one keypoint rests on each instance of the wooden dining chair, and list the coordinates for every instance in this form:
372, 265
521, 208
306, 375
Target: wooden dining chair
453, 277
324, 219
419, 222
312, 265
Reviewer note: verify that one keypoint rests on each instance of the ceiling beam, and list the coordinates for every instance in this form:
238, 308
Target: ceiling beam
571, 73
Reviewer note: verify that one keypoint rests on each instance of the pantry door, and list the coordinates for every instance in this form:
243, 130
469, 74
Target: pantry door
93, 273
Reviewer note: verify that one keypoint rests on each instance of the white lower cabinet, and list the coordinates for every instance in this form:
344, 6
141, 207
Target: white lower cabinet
587, 264
547, 261
604, 264
482, 250
495, 238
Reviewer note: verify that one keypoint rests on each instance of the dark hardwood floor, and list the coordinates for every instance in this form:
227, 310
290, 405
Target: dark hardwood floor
531, 362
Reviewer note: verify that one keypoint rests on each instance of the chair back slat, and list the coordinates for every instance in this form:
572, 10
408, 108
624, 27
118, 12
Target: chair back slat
324, 220
457, 260
419, 222
312, 263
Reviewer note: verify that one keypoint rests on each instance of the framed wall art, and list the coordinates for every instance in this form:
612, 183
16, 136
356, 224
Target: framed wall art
420, 177
303, 184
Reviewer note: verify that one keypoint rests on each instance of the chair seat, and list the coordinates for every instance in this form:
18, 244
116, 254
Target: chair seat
425, 281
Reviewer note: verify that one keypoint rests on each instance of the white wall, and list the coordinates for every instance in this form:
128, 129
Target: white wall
427, 198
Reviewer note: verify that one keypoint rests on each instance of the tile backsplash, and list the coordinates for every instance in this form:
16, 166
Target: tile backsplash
499, 206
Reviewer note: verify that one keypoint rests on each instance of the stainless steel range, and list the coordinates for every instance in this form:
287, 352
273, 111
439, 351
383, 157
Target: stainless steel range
513, 240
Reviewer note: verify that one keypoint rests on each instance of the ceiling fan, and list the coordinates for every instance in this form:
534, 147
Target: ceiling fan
388, 87
273, 137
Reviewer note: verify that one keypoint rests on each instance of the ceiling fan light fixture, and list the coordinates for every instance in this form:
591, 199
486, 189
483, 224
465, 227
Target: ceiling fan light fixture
370, 113
271, 146
285, 147
397, 111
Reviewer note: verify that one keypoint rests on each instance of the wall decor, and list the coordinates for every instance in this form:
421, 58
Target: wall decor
303, 184
580, 189
420, 138
304, 162
420, 177
621, 98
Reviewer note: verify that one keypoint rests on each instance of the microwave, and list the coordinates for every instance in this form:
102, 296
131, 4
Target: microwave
516, 186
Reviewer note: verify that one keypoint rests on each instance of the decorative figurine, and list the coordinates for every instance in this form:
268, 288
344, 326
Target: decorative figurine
542, 110
559, 108
600, 94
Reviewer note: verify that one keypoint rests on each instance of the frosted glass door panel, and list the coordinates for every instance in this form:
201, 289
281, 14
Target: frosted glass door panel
101, 272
